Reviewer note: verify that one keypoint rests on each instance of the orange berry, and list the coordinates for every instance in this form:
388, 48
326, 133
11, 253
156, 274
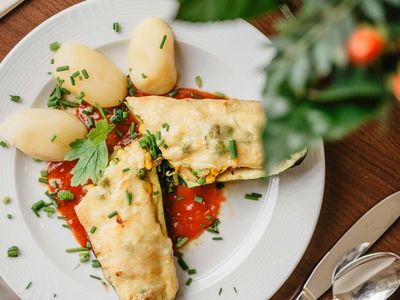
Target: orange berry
364, 45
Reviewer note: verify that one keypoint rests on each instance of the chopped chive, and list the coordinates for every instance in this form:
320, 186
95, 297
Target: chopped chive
189, 281
13, 251
126, 170
52, 61
29, 285
220, 292
36, 160
53, 138
131, 92
113, 214
88, 245
54, 46
9, 216
95, 277
132, 129
219, 95
65, 195
116, 27
209, 218
61, 217
58, 92
178, 254
128, 197
44, 173
173, 93
181, 241
192, 271
144, 76
198, 199
62, 68
79, 249
164, 38
95, 263
49, 209
72, 79
198, 80
84, 257
253, 196
232, 149
125, 114
85, 74
156, 193
76, 74
234, 288
119, 132
134, 135
180, 198
182, 264
90, 121
165, 146
15, 98
66, 226
165, 126
38, 205
213, 228
81, 95
3, 144
201, 181
219, 185
217, 238
6, 199
93, 229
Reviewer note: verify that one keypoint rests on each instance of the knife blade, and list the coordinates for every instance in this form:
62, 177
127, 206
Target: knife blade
362, 235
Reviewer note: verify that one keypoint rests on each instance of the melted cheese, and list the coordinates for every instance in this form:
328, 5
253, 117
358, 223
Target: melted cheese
200, 131
132, 247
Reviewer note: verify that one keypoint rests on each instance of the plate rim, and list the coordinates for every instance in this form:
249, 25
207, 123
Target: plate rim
21, 43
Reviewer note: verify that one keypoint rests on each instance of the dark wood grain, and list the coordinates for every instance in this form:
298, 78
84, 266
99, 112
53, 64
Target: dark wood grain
361, 170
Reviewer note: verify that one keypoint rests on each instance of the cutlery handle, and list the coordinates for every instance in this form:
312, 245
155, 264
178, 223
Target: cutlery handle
305, 295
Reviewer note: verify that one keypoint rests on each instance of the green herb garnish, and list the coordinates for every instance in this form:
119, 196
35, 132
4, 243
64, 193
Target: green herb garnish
128, 196
95, 263
54, 46
28, 285
189, 281
6, 199
116, 27
53, 138
3, 144
85, 74
199, 81
62, 68
253, 196
181, 241
144, 76
112, 215
79, 249
198, 199
192, 271
93, 229
232, 149
13, 251
15, 98
65, 195
173, 93
164, 38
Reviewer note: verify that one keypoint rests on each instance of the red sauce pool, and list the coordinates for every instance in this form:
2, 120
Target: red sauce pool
185, 217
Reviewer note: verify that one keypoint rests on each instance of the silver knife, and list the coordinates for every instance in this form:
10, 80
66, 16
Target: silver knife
365, 232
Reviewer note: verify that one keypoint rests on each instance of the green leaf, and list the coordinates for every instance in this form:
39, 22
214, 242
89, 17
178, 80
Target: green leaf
100, 132
92, 160
373, 9
214, 10
300, 72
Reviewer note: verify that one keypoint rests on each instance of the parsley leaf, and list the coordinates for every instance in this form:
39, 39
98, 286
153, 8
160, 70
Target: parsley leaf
92, 154
100, 132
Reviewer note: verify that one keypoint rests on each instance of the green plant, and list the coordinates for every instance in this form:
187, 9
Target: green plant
332, 70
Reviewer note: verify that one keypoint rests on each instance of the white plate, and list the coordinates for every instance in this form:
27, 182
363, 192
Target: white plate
263, 241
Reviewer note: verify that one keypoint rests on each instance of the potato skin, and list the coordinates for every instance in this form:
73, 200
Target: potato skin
153, 70
106, 84
31, 131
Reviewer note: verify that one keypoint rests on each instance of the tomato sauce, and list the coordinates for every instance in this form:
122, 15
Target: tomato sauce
188, 218
184, 216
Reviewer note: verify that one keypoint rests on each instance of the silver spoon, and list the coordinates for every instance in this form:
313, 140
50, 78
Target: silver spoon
370, 277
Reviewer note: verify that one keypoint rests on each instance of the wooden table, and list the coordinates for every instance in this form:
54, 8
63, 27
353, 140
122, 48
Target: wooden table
361, 170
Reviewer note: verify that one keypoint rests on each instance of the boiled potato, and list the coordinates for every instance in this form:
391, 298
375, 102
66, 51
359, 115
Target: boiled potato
152, 69
42, 133
106, 84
